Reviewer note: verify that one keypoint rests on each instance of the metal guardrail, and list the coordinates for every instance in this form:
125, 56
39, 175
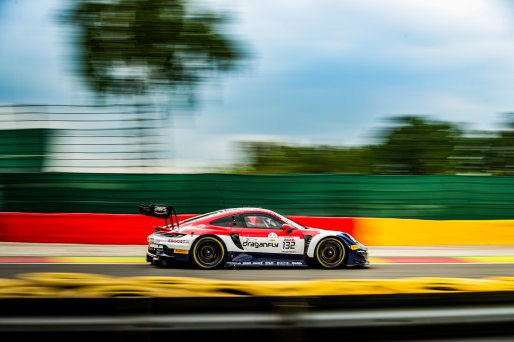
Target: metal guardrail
73, 306
288, 318
89, 285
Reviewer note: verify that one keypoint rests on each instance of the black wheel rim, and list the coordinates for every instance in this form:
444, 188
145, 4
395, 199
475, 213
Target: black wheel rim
208, 253
331, 253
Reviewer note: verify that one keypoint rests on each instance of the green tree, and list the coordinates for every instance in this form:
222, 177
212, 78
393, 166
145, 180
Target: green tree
152, 54
500, 153
139, 47
273, 158
417, 146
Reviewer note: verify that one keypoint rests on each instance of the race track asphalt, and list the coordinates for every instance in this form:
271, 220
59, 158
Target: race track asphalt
386, 262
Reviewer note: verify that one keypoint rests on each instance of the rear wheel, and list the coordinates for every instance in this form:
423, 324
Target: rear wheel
330, 253
208, 253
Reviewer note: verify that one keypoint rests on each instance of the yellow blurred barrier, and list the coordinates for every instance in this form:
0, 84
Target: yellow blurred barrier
414, 232
63, 279
82, 285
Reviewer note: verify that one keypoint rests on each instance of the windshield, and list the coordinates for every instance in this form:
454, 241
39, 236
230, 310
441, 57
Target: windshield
293, 223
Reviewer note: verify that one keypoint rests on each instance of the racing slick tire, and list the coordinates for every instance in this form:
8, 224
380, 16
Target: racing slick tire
208, 252
330, 253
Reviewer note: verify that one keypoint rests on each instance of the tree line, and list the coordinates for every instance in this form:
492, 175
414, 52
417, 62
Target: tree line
413, 145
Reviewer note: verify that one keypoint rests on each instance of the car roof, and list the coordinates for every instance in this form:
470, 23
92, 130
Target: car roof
242, 210
233, 211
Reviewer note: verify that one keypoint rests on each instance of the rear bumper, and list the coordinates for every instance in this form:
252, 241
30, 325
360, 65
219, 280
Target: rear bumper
159, 254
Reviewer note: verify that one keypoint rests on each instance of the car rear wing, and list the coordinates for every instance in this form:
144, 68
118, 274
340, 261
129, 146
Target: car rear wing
160, 211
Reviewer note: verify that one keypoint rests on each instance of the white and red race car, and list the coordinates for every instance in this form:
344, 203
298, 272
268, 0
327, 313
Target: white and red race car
247, 237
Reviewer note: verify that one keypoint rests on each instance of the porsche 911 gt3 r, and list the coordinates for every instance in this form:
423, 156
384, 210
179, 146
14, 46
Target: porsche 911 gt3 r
247, 237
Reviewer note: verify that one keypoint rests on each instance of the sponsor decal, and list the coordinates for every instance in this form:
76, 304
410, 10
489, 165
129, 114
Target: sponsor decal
178, 241
160, 210
180, 251
256, 244
273, 236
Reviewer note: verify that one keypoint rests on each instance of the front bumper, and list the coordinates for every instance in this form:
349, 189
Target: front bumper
358, 258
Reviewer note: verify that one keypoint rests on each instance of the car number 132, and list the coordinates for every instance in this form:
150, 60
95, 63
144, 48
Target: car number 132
288, 244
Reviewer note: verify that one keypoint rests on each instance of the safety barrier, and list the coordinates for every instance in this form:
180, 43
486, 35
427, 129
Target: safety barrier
85, 228
413, 232
127, 229
86, 307
85, 285
334, 195
121, 229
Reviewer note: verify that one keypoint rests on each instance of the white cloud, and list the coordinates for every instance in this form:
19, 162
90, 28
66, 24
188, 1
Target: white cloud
348, 62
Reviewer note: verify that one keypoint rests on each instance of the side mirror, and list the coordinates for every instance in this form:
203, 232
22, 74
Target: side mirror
287, 227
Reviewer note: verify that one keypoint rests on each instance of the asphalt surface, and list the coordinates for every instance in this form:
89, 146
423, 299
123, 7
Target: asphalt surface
383, 271
56, 249
378, 270
375, 271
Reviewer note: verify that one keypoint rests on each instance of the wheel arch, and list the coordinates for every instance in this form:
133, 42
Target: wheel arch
208, 235
317, 239
330, 252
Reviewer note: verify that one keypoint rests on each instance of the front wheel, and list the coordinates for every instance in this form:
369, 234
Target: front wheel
330, 253
208, 253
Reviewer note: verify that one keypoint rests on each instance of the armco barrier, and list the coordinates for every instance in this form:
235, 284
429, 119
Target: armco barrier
91, 307
127, 229
122, 229
86, 228
85, 285
411, 232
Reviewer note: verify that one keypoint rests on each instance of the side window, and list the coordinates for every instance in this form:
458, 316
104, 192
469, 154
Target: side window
261, 221
228, 221
273, 222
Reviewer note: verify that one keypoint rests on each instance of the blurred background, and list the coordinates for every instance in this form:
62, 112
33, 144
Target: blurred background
391, 108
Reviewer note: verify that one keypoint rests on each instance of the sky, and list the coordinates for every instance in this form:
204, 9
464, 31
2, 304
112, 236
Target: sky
322, 71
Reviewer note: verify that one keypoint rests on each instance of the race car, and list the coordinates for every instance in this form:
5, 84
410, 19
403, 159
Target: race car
247, 237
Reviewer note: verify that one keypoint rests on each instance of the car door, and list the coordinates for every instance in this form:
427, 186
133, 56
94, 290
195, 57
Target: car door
263, 233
